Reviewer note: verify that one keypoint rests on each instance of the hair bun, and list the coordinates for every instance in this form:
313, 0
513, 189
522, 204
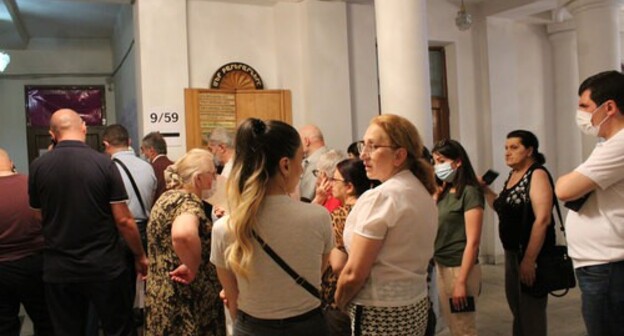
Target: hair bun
172, 177
258, 126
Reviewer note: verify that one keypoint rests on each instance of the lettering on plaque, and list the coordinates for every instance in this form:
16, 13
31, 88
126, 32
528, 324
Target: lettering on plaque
236, 76
216, 110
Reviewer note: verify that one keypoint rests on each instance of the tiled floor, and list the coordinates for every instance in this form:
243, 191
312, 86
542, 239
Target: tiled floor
493, 317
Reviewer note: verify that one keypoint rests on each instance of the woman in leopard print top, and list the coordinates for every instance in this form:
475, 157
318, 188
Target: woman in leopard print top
348, 183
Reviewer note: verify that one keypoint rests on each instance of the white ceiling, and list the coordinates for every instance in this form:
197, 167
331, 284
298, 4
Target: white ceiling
21, 20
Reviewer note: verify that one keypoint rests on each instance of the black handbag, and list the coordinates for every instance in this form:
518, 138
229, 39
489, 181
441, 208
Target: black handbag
554, 271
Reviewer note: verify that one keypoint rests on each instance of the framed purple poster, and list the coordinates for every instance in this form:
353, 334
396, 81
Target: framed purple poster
43, 100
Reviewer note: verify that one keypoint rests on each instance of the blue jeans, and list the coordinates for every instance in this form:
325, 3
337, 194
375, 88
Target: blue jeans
308, 324
602, 293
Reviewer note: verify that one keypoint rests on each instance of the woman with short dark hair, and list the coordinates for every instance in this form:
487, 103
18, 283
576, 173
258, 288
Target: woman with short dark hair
524, 209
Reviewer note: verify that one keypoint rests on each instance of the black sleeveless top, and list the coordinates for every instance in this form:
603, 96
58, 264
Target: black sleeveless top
516, 216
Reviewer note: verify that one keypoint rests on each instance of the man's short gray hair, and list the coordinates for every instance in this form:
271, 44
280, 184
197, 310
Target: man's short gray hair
328, 161
156, 141
221, 136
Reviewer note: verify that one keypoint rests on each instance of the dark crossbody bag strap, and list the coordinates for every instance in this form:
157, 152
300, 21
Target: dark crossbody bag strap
556, 202
278, 260
134, 186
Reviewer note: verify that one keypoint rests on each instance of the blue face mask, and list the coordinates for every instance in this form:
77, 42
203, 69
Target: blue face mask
445, 172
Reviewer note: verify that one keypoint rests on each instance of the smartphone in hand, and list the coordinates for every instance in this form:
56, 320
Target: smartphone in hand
469, 307
489, 176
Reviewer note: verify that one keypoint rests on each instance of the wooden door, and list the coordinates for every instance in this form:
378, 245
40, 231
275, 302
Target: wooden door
440, 117
264, 104
439, 97
206, 109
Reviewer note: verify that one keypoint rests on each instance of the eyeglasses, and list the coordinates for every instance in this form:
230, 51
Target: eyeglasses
369, 148
317, 172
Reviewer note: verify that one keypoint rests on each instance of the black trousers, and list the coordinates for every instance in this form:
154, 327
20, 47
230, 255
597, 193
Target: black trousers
69, 306
93, 320
21, 282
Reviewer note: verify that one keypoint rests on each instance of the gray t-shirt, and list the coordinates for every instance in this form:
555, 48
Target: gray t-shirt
300, 234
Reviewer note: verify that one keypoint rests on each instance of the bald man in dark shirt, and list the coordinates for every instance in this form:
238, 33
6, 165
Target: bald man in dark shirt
81, 199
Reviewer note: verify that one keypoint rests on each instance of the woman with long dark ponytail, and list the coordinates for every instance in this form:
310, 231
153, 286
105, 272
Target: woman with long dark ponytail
261, 297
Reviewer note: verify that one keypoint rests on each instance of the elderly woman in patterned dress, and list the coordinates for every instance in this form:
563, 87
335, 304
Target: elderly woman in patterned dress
182, 289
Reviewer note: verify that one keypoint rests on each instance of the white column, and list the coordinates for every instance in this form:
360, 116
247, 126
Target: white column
404, 62
598, 41
162, 69
568, 137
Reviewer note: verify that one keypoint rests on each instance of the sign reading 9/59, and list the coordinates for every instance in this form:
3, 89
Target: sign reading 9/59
164, 117
168, 121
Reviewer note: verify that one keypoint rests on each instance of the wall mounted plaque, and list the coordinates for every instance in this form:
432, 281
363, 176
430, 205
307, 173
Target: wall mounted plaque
236, 76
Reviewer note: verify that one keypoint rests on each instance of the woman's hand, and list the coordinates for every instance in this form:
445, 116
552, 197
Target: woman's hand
229, 293
187, 246
323, 190
527, 271
140, 264
459, 297
218, 211
182, 274
224, 298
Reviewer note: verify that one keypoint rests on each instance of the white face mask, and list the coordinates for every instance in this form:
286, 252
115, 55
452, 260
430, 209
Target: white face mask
216, 160
144, 158
584, 122
208, 193
445, 172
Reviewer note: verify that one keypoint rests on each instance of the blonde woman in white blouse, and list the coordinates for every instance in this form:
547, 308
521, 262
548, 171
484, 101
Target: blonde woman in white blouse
389, 234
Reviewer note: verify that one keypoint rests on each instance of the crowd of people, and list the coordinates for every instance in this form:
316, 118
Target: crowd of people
312, 241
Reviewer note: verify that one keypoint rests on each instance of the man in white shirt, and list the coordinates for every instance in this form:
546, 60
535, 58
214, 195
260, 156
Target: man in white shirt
221, 144
313, 147
595, 231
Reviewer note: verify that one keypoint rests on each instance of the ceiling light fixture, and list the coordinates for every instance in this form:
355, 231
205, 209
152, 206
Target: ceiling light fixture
5, 59
463, 21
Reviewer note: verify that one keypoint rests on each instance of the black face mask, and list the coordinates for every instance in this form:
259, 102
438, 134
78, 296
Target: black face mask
53, 141
13, 169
